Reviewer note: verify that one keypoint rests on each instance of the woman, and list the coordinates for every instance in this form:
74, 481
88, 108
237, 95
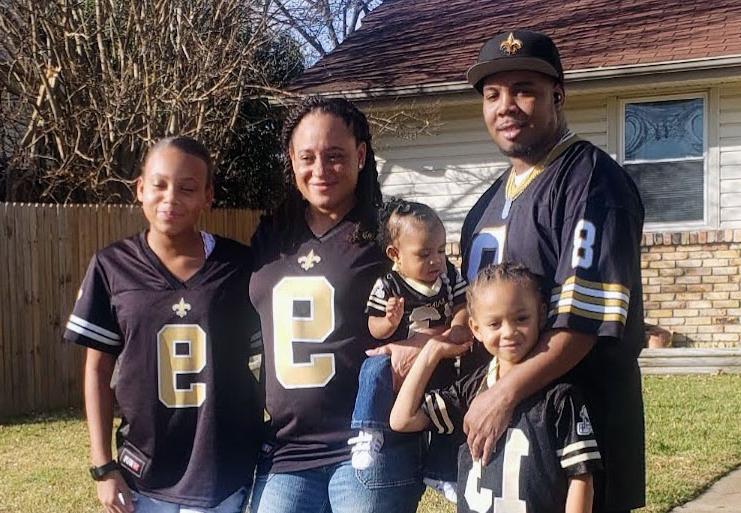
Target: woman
316, 262
167, 308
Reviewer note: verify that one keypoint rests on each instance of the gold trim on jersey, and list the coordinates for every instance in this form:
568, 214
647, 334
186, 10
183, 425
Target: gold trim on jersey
605, 302
512, 190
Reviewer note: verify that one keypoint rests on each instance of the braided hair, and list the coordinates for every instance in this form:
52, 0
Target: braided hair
367, 191
505, 272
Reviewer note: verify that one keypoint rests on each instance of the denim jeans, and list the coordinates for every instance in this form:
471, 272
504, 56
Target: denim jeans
392, 485
233, 504
375, 396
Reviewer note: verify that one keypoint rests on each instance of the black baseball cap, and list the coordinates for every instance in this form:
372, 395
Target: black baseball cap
516, 50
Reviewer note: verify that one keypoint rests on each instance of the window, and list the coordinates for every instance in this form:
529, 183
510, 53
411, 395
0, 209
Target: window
664, 148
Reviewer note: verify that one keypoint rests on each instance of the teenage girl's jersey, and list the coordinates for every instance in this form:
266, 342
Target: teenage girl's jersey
311, 302
579, 226
191, 409
548, 440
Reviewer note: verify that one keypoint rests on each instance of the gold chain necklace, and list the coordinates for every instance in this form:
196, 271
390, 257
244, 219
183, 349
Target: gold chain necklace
513, 191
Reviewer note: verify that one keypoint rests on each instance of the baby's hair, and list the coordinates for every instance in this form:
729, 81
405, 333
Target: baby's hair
511, 272
189, 146
396, 212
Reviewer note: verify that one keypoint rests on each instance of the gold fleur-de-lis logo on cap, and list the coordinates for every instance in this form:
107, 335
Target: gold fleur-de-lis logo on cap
510, 46
308, 261
181, 309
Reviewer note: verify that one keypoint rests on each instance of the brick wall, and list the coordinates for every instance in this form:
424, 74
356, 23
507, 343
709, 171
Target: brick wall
691, 285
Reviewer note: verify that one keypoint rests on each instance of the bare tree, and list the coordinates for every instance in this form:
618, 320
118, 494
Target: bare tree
321, 24
89, 84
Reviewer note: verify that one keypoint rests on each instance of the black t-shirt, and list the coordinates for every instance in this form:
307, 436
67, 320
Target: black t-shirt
192, 411
579, 225
548, 440
311, 301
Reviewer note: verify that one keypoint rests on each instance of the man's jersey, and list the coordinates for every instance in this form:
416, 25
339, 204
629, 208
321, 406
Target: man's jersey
424, 306
191, 409
311, 302
548, 440
579, 226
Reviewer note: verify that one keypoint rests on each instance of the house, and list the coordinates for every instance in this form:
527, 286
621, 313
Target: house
655, 83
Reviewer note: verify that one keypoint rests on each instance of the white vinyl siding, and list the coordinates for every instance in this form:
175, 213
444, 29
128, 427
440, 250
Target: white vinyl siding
730, 157
452, 168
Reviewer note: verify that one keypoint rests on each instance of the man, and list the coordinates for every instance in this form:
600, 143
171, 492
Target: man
570, 213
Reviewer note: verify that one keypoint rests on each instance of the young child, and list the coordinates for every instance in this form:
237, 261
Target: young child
545, 462
168, 308
423, 293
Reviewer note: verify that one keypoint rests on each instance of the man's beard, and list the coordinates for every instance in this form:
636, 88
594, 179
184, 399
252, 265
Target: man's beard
534, 150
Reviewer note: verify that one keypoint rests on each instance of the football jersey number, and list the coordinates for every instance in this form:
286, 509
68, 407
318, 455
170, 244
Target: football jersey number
584, 237
487, 248
181, 350
481, 499
303, 311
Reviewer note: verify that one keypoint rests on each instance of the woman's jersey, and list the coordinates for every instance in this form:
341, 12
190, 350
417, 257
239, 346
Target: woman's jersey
548, 440
311, 302
191, 409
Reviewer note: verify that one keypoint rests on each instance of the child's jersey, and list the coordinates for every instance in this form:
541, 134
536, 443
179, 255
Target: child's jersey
424, 306
191, 409
549, 439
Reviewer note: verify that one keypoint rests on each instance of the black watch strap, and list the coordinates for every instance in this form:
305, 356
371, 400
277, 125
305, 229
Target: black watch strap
98, 473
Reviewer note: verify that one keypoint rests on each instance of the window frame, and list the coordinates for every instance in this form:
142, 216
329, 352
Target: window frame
674, 225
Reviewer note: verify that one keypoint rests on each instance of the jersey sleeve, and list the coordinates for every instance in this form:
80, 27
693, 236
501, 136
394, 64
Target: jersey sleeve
599, 262
446, 407
379, 296
576, 445
458, 284
93, 322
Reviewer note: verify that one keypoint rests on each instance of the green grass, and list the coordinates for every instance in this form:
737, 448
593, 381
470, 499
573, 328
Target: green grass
692, 432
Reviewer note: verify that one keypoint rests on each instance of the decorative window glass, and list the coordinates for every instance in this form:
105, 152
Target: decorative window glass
664, 152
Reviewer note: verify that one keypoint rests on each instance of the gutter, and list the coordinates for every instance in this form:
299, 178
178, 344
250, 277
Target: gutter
577, 76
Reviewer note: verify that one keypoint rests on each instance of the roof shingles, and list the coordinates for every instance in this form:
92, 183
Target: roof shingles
413, 42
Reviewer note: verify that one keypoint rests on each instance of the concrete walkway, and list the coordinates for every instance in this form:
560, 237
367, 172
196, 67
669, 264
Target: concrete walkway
723, 497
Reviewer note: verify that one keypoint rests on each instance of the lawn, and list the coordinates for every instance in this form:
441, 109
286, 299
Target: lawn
692, 429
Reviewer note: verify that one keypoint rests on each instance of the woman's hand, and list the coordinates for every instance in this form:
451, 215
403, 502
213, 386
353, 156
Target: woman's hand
115, 494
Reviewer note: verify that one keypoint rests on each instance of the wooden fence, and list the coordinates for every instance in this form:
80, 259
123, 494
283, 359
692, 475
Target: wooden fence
44, 251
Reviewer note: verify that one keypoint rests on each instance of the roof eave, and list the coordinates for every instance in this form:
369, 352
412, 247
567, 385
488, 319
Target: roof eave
578, 76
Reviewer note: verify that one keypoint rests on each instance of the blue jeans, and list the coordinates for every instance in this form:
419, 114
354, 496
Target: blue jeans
232, 504
391, 485
375, 396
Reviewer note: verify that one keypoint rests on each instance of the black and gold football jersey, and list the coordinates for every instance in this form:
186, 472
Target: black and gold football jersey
424, 306
579, 224
548, 440
191, 409
311, 302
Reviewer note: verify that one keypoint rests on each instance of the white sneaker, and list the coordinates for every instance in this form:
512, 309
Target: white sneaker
365, 448
447, 488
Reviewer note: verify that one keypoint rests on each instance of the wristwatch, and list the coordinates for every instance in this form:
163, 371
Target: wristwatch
98, 473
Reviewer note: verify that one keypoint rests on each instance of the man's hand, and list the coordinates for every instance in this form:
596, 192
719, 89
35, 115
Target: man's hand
487, 420
459, 335
114, 494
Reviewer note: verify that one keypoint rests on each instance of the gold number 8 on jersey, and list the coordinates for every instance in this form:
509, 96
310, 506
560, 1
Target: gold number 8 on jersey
181, 349
303, 311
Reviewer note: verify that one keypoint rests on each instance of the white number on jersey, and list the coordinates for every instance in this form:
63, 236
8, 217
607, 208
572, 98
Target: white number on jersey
487, 248
313, 298
481, 499
584, 236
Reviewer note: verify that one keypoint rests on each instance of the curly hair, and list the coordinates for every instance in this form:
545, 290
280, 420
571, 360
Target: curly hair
367, 191
396, 212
